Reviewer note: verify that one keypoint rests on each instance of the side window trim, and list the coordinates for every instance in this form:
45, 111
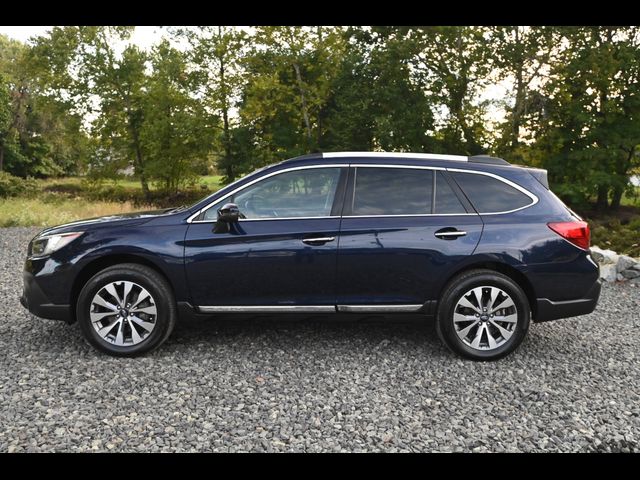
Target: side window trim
199, 216
534, 198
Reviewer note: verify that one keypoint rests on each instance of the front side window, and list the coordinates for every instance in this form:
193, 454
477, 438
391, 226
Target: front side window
297, 193
392, 191
490, 195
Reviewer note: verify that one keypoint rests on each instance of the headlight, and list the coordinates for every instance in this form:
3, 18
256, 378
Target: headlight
46, 245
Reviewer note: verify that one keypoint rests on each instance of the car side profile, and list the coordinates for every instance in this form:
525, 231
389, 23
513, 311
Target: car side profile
481, 246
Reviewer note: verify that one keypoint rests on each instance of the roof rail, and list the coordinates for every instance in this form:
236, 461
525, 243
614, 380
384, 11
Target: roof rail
488, 160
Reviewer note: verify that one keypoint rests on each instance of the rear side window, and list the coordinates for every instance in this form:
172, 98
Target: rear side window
392, 191
446, 200
490, 195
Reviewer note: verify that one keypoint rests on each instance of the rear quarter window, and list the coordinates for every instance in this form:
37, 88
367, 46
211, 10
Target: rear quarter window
490, 195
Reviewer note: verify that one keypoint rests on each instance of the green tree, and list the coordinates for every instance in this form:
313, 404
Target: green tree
588, 129
216, 53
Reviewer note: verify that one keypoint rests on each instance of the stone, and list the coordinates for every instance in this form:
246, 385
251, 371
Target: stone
630, 273
608, 272
624, 263
604, 256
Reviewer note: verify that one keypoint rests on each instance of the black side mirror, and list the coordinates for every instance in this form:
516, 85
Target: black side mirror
228, 216
229, 213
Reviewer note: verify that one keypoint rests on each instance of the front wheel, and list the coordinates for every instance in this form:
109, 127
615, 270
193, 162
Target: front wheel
126, 310
483, 315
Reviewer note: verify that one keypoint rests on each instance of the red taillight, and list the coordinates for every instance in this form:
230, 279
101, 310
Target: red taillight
576, 232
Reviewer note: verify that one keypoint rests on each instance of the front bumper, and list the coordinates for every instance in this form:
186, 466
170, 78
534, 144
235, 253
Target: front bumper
35, 300
549, 310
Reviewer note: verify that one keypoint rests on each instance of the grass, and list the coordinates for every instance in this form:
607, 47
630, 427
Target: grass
39, 212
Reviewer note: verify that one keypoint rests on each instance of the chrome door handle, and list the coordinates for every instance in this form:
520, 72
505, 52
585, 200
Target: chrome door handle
450, 235
317, 240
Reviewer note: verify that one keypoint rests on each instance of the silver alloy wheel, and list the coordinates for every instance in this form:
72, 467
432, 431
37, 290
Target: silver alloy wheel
123, 313
485, 318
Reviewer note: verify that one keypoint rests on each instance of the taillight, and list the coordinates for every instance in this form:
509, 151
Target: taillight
575, 232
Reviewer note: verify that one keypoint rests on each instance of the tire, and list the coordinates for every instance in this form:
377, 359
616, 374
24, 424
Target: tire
136, 330
481, 330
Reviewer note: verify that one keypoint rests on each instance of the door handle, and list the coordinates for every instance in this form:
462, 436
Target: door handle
449, 234
318, 240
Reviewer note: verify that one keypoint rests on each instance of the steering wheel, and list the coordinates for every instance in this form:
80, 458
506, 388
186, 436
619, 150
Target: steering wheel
252, 206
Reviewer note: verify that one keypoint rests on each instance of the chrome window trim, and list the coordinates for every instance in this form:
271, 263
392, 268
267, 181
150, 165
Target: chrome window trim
232, 192
533, 197
421, 156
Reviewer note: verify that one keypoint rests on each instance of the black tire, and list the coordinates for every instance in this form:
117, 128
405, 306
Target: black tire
456, 289
144, 276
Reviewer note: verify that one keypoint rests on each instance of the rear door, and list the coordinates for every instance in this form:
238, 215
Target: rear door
403, 229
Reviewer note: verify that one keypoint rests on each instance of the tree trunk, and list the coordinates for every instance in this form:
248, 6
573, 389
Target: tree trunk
140, 167
601, 203
616, 196
1, 157
305, 112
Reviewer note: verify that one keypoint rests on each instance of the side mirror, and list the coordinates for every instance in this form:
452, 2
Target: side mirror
229, 213
228, 217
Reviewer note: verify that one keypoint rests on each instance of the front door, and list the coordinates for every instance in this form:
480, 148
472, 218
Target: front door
282, 256
403, 230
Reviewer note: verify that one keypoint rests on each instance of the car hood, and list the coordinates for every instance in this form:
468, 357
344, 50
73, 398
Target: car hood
91, 223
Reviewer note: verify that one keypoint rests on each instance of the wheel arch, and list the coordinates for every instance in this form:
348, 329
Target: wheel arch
510, 271
100, 263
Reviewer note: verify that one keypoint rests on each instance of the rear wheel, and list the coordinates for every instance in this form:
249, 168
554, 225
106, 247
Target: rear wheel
483, 315
126, 310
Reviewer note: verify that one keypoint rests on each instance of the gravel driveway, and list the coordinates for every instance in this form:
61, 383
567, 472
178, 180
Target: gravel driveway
253, 385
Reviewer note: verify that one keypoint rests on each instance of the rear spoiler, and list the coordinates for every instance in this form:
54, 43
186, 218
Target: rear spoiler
540, 175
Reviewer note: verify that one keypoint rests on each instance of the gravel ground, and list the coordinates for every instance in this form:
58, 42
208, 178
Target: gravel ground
254, 385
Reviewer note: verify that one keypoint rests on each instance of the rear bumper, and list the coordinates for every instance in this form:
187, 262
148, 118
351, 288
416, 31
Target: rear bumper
35, 300
549, 310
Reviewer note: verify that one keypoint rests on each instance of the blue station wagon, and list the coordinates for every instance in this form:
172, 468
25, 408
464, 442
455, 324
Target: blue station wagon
478, 245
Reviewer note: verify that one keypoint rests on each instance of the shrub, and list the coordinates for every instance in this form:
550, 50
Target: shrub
11, 186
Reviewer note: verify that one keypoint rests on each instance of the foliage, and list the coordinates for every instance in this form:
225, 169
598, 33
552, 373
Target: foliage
11, 186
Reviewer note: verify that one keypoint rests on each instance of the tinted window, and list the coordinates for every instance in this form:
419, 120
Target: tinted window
446, 199
298, 193
488, 194
392, 191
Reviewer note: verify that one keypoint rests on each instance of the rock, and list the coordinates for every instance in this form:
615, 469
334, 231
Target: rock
630, 273
637, 265
619, 277
604, 256
624, 263
608, 272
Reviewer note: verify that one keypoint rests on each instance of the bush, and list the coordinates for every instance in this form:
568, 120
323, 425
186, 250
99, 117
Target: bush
11, 186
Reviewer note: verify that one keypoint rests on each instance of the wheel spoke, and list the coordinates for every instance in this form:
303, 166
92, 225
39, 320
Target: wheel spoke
458, 317
513, 318
151, 310
103, 303
490, 339
506, 303
135, 336
467, 304
127, 289
494, 295
465, 331
111, 288
142, 296
477, 292
98, 316
506, 334
146, 325
120, 334
104, 331
476, 340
